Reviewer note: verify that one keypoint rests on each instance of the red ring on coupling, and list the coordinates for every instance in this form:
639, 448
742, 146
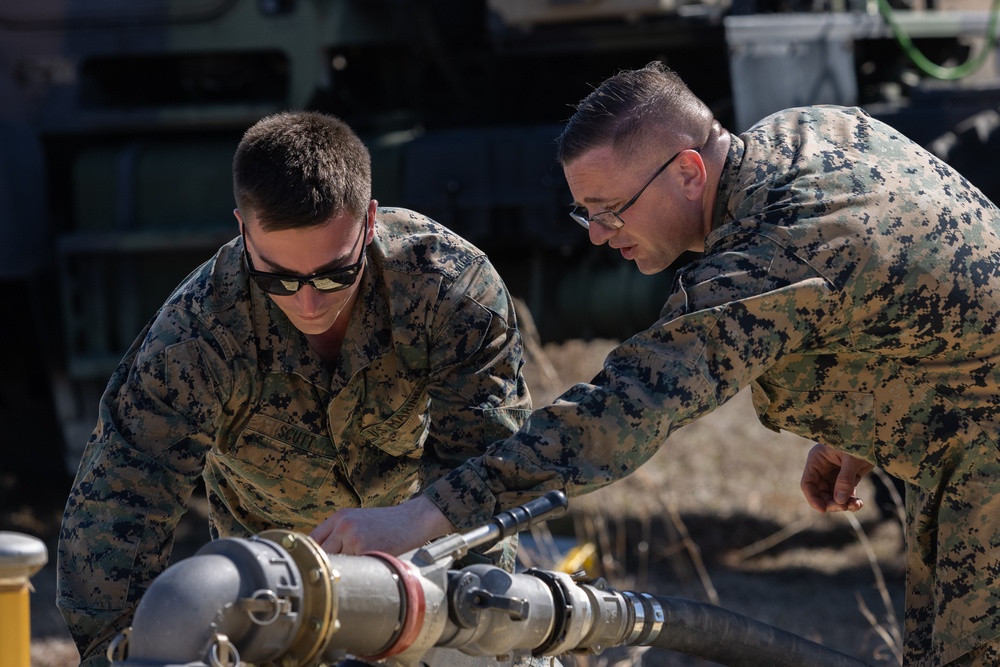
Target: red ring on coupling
416, 606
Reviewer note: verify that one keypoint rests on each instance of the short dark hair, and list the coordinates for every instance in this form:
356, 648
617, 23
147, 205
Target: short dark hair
632, 107
299, 169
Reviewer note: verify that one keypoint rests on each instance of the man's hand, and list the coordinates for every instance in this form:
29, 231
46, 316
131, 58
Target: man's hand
391, 530
830, 480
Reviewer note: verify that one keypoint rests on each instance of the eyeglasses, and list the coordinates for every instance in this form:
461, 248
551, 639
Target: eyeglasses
328, 281
612, 219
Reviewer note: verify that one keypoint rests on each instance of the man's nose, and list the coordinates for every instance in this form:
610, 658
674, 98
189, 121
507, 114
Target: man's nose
599, 233
308, 298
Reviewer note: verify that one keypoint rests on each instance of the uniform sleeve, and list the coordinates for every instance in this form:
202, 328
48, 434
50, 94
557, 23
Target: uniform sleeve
477, 393
135, 481
729, 317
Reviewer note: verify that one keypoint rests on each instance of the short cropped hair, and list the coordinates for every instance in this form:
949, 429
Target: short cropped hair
635, 111
299, 169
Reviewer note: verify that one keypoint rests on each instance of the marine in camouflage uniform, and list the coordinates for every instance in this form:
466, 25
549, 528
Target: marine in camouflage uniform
849, 277
221, 385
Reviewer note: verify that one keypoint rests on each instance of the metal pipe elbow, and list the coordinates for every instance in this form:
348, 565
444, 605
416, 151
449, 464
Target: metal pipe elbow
232, 591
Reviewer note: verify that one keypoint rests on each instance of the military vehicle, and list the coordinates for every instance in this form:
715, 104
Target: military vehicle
118, 120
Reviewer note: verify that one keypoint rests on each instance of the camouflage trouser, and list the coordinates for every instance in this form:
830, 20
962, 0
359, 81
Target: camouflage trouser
952, 569
987, 655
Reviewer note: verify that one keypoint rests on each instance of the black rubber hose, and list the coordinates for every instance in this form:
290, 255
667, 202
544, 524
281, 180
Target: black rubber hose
727, 638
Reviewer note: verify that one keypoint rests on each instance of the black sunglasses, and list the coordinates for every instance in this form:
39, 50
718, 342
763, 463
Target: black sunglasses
329, 281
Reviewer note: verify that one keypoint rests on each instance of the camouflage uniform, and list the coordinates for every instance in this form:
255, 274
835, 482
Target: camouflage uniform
853, 281
221, 385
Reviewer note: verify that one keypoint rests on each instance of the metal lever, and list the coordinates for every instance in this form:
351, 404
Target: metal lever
550, 506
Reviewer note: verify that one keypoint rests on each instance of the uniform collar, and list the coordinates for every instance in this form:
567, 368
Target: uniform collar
728, 183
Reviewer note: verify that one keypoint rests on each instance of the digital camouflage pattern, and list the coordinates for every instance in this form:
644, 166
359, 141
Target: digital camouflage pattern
853, 281
222, 385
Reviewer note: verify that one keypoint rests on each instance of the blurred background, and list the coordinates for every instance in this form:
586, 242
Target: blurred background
118, 120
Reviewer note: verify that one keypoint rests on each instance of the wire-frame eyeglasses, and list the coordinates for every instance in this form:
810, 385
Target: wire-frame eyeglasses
612, 220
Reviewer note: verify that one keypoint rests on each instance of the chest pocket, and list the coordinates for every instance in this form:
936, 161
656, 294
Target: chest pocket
275, 465
404, 431
380, 434
380, 410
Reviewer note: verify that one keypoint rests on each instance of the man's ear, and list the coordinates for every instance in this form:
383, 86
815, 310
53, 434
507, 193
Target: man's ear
239, 217
370, 220
694, 175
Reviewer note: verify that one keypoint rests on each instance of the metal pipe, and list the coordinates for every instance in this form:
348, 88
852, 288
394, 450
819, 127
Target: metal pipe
279, 598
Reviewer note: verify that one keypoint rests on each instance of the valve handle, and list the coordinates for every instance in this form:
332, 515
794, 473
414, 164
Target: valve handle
550, 506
